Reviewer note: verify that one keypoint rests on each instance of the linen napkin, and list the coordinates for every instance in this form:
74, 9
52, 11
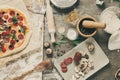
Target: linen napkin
110, 17
114, 41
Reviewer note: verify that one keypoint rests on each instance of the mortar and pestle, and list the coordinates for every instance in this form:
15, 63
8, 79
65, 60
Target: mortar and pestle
87, 26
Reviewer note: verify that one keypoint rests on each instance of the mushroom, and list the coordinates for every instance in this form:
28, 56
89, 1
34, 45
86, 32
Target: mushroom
49, 52
46, 44
91, 47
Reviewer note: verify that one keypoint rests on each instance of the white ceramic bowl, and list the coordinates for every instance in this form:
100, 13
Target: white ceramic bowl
62, 4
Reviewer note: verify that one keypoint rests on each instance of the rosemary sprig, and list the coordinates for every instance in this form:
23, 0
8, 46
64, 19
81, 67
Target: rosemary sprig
64, 40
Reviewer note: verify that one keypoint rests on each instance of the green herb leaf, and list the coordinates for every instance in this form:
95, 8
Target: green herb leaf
15, 20
1, 29
59, 42
1, 43
22, 30
14, 37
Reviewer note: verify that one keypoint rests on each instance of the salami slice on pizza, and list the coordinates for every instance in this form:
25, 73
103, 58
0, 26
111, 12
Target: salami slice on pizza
15, 31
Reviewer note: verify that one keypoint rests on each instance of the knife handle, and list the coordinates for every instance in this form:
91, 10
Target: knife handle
52, 35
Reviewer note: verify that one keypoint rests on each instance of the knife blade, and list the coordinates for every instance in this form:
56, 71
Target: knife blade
50, 21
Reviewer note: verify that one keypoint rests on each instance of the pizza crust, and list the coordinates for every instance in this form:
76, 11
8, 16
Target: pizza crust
27, 35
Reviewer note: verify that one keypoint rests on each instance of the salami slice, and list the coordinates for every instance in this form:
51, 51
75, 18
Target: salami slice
63, 65
64, 70
12, 13
68, 61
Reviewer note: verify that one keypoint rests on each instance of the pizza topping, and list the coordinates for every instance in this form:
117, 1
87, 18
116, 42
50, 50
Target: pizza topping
1, 43
13, 31
15, 20
11, 47
14, 37
17, 40
19, 30
3, 49
23, 29
6, 16
1, 21
0, 36
5, 21
17, 14
1, 14
3, 33
7, 28
20, 18
10, 20
20, 23
12, 42
1, 29
12, 13
6, 40
20, 36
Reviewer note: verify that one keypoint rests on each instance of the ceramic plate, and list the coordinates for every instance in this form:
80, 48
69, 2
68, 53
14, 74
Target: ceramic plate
99, 58
63, 3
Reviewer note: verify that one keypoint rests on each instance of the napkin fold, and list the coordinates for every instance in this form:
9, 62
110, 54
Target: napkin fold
110, 17
114, 41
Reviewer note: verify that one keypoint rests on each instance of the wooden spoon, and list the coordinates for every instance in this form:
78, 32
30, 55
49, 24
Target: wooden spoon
46, 64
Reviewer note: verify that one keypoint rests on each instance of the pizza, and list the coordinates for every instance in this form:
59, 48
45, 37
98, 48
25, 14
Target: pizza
14, 31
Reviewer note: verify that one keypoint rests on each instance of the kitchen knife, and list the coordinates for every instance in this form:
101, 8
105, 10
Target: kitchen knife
50, 21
